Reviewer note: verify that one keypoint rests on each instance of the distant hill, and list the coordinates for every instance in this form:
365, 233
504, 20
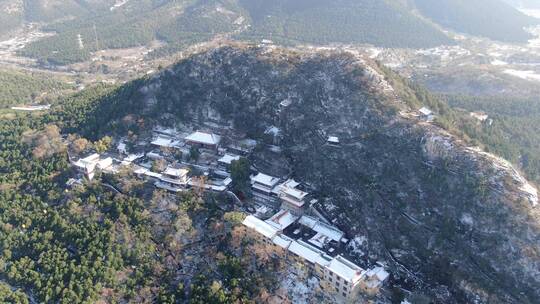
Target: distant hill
493, 19
382, 23
15, 13
184, 22
106, 24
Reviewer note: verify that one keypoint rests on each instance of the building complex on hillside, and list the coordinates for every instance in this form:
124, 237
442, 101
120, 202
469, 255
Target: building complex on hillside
292, 232
317, 247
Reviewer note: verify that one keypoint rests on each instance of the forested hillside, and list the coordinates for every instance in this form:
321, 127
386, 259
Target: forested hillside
83, 27
90, 244
178, 23
487, 18
382, 23
23, 88
183, 23
514, 132
14, 13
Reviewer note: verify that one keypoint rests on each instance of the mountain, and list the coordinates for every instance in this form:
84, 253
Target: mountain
501, 22
15, 13
83, 27
183, 23
453, 224
382, 23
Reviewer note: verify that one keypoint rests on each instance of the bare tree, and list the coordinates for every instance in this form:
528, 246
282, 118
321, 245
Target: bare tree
199, 185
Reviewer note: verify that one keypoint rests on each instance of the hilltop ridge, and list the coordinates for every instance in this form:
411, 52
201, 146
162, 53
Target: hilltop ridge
452, 222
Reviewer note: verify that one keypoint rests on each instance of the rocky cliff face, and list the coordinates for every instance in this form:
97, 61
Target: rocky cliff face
452, 222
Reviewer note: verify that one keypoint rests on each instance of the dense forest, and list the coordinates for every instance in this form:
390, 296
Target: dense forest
514, 132
24, 88
503, 22
88, 244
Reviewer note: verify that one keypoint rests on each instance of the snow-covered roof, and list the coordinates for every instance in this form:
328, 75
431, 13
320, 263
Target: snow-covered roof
227, 181
104, 163
164, 142
133, 157
425, 111
154, 155
282, 241
333, 139
291, 183
320, 227
309, 253
260, 226
282, 220
88, 163
285, 103
319, 240
147, 172
121, 146
204, 138
378, 273
295, 193
262, 209
228, 159
176, 172
265, 180
88, 160
308, 221
273, 130
345, 269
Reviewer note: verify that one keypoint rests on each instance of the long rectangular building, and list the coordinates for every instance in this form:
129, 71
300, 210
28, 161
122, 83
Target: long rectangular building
337, 275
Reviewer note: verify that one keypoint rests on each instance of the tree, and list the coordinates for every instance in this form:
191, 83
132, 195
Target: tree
159, 165
194, 154
44, 143
240, 171
199, 185
103, 144
79, 145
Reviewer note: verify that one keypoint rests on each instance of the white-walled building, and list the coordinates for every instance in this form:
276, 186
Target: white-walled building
264, 188
292, 198
337, 275
89, 164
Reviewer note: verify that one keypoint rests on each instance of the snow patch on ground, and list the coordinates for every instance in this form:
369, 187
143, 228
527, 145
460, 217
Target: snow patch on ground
528, 191
527, 75
498, 62
118, 4
531, 12
445, 53
299, 289
467, 219
356, 245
